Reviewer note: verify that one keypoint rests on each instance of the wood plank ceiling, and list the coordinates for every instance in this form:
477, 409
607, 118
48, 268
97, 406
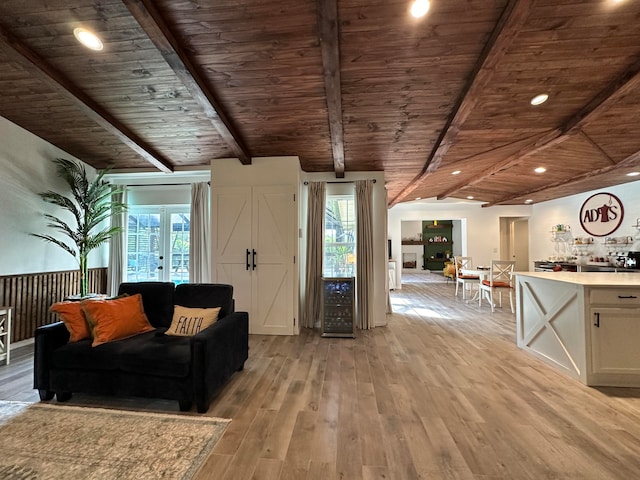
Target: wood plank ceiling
345, 85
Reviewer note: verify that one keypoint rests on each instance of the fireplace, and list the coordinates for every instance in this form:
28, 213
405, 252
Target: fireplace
409, 260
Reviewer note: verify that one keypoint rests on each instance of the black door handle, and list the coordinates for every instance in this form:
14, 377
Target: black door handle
597, 324
254, 259
248, 264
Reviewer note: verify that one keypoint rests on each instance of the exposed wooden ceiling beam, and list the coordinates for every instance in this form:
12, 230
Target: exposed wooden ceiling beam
26, 57
504, 149
487, 156
506, 30
597, 147
617, 89
151, 21
621, 86
630, 161
330, 44
547, 140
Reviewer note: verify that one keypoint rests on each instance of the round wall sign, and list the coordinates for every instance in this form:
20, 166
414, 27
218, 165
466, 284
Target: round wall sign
601, 214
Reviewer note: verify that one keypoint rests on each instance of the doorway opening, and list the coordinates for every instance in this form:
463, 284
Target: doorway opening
514, 241
428, 245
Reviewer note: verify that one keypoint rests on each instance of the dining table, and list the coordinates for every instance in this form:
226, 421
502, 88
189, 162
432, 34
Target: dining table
482, 273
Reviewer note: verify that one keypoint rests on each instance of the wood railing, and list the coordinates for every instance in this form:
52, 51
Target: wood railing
32, 294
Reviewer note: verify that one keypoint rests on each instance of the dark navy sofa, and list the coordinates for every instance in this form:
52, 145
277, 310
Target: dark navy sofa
151, 364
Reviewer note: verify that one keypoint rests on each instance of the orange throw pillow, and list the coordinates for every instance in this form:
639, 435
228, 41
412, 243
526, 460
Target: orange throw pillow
73, 318
116, 319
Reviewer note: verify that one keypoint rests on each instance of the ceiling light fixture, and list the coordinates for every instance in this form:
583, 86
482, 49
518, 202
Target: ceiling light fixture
633, 174
88, 39
540, 170
539, 99
470, 197
418, 198
456, 172
419, 8
528, 201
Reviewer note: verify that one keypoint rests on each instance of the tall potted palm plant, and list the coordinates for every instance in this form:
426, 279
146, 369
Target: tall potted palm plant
90, 204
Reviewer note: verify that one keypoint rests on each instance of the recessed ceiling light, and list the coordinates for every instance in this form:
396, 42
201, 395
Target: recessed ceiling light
528, 201
88, 39
470, 197
419, 8
540, 170
633, 174
456, 172
418, 198
539, 99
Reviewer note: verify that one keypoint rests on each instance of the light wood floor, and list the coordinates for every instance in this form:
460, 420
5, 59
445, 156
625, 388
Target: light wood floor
442, 392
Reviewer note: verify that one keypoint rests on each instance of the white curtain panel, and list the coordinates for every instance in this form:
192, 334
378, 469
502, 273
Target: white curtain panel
364, 253
199, 247
386, 250
115, 269
315, 237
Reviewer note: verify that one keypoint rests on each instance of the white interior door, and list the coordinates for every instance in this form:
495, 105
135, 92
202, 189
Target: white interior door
521, 244
273, 240
253, 250
231, 234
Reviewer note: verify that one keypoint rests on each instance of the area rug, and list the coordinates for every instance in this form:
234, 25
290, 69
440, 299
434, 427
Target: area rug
42, 441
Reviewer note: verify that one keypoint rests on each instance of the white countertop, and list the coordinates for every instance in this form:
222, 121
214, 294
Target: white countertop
609, 279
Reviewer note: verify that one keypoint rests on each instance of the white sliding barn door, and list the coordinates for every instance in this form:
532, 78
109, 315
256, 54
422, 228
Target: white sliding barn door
254, 251
273, 293
231, 235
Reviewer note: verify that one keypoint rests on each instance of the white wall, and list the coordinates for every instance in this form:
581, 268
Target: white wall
567, 212
262, 171
158, 188
411, 229
25, 163
479, 227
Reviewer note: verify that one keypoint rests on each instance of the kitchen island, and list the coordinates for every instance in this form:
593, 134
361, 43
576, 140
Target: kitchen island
586, 325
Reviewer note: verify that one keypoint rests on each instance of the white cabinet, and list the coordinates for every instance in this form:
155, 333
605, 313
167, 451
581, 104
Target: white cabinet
615, 330
254, 249
586, 325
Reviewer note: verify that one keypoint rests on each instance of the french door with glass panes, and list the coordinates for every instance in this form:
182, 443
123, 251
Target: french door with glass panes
158, 244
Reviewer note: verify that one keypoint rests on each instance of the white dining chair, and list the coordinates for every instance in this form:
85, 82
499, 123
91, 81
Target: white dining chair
464, 280
500, 279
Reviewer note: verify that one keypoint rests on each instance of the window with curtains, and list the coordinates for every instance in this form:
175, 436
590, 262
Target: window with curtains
339, 236
158, 244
